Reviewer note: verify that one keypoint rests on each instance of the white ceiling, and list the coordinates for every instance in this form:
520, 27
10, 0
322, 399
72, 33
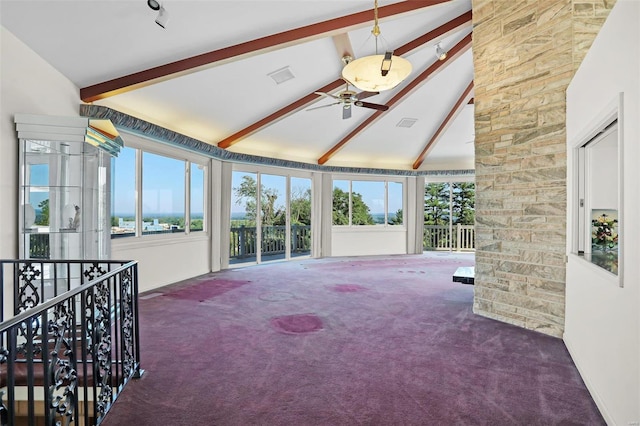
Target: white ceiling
93, 41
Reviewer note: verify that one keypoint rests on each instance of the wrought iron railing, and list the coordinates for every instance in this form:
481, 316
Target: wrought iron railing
39, 246
442, 237
73, 342
243, 240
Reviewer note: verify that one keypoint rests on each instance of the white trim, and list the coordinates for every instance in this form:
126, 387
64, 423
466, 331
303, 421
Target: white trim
608, 120
585, 378
368, 228
270, 170
127, 243
132, 140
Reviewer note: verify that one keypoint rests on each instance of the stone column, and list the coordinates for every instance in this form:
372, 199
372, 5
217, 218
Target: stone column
525, 54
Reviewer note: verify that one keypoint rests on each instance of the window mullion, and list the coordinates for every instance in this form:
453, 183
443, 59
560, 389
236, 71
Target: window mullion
187, 197
138, 174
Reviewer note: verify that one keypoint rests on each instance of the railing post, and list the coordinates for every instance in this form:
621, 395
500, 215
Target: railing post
241, 240
459, 236
294, 234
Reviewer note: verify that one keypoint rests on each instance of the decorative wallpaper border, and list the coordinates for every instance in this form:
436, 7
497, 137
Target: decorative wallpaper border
144, 128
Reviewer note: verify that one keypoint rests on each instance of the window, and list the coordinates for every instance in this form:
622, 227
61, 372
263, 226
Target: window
449, 216
599, 199
196, 192
123, 194
172, 194
270, 217
163, 194
368, 202
394, 202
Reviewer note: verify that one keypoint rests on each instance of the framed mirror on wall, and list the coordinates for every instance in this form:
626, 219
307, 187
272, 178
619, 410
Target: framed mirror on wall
598, 219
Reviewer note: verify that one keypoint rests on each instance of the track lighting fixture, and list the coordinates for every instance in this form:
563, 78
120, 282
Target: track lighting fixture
163, 15
440, 53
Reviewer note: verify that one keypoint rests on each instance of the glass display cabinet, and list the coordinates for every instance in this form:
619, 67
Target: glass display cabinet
64, 188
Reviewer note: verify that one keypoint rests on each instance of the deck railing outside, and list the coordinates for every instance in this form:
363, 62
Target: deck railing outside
243, 240
440, 237
72, 343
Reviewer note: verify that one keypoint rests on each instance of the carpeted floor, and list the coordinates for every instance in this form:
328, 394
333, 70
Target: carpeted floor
349, 341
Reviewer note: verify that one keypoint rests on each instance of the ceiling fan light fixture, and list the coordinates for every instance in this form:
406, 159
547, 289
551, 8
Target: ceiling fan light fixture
375, 73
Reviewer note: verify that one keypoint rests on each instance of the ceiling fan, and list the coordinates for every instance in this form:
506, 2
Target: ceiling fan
347, 98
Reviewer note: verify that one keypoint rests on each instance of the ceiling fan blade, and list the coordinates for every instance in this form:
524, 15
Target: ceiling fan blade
346, 112
372, 106
363, 95
322, 106
329, 95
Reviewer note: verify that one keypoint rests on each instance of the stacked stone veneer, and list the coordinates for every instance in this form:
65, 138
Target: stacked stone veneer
525, 54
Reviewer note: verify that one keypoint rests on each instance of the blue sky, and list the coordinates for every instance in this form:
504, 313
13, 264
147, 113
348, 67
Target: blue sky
163, 187
39, 176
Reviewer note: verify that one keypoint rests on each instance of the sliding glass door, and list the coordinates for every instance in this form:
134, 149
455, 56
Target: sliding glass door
300, 217
273, 217
270, 217
244, 204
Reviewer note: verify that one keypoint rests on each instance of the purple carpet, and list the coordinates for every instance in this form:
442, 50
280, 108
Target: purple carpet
205, 290
352, 341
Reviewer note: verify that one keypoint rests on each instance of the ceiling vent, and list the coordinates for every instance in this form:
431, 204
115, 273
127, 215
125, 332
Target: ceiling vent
281, 75
407, 122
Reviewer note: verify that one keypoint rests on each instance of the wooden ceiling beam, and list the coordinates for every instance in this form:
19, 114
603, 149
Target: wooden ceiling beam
453, 53
343, 45
278, 115
272, 42
459, 105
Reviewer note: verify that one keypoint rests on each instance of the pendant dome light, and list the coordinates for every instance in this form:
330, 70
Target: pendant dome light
375, 73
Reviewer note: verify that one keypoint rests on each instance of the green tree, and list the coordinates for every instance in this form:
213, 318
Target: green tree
196, 225
463, 206
436, 204
340, 207
247, 193
397, 219
43, 217
359, 210
300, 206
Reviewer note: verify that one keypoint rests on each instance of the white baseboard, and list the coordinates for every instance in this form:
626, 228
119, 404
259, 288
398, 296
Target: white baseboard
594, 393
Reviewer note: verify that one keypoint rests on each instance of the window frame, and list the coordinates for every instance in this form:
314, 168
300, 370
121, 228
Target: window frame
580, 205
143, 144
372, 178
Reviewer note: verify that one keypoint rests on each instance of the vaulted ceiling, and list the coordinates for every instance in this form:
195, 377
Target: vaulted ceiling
209, 74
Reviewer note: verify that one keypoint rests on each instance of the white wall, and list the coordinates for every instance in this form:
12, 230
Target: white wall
366, 240
28, 85
602, 329
163, 261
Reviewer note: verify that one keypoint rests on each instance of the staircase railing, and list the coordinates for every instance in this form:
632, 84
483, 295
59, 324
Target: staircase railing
73, 342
